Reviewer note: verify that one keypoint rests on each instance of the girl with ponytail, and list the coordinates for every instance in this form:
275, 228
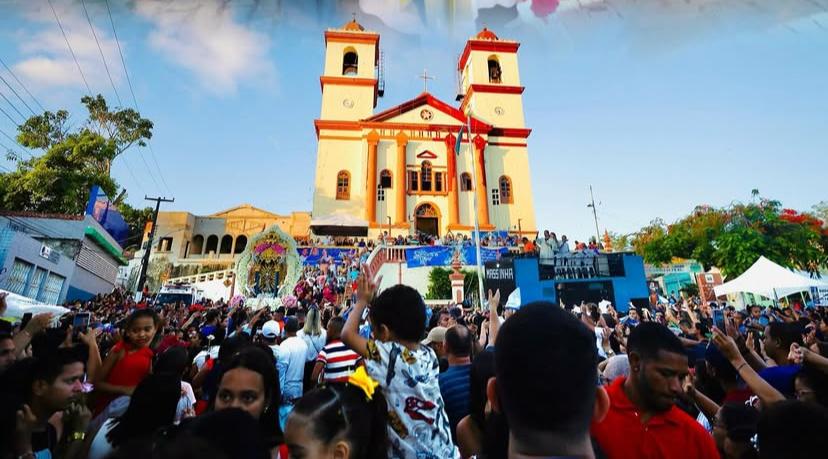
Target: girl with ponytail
348, 422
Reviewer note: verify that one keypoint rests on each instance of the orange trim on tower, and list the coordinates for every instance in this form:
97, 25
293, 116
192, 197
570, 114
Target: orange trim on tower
346, 81
486, 45
510, 132
336, 125
507, 144
497, 88
349, 81
491, 89
351, 36
339, 137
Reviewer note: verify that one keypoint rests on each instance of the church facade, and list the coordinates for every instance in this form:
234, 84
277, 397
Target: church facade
397, 169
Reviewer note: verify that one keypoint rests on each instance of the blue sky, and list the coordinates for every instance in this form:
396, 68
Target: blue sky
659, 105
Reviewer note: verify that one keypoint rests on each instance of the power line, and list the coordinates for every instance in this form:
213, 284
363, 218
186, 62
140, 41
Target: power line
21, 84
9, 117
16, 94
106, 67
120, 53
6, 149
134, 179
132, 91
15, 152
72, 51
12, 106
150, 171
160, 174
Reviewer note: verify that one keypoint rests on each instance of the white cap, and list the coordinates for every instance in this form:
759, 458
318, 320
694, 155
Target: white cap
271, 329
513, 302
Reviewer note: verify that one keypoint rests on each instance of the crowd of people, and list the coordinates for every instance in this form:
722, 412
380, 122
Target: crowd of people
387, 376
546, 246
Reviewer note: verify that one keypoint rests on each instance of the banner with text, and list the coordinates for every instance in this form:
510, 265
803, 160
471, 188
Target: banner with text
316, 255
500, 275
442, 255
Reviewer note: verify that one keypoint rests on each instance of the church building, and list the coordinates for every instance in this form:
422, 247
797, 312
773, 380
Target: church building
397, 169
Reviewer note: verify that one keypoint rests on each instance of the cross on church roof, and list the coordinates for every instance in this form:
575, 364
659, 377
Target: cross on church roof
425, 77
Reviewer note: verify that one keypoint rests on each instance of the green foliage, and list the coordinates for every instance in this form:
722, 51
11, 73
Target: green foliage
439, 284
157, 269
72, 161
621, 242
734, 237
137, 220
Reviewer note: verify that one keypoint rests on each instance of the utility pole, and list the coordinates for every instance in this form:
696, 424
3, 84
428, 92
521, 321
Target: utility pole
145, 259
594, 215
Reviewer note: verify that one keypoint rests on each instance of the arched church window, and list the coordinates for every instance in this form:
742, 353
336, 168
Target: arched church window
505, 190
494, 69
425, 176
343, 186
385, 179
241, 244
226, 244
350, 62
465, 182
197, 245
212, 244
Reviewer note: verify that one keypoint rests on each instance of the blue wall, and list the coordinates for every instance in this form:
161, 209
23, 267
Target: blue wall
632, 285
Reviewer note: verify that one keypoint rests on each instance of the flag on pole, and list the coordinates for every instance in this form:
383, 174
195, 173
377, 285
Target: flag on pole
459, 140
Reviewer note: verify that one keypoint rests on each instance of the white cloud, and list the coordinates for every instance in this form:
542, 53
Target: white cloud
47, 61
204, 38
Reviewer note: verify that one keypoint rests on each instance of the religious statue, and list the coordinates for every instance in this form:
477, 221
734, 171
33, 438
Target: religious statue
269, 267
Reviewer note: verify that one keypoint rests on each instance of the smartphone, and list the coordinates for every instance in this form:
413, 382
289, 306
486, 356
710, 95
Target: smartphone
719, 319
25, 320
80, 324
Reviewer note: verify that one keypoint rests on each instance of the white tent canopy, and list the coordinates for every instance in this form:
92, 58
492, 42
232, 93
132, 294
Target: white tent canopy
339, 225
768, 279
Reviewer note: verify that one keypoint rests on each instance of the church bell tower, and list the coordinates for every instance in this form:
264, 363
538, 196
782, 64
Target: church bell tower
350, 81
490, 80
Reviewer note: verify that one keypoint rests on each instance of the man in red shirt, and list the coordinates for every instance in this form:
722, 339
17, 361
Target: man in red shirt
643, 421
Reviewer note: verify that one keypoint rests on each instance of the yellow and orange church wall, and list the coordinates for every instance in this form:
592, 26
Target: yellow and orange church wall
352, 138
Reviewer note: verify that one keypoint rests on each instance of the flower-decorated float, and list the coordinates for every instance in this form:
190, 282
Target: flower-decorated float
268, 268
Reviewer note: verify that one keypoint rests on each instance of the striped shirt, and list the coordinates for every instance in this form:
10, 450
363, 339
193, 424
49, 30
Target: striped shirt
339, 360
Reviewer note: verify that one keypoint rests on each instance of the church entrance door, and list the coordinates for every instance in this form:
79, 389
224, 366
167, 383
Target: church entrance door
427, 220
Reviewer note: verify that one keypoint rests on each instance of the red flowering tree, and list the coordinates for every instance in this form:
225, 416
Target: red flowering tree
734, 237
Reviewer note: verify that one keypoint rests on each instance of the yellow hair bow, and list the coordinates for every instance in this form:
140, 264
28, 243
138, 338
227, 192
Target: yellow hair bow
360, 378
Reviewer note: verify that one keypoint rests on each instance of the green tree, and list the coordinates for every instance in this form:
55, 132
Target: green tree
137, 220
620, 242
439, 284
734, 237
72, 161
